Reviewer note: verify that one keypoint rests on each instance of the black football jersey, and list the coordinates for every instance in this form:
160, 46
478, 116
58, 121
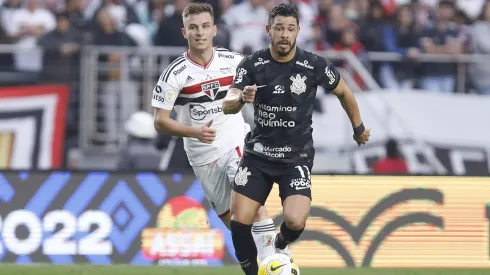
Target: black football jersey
283, 105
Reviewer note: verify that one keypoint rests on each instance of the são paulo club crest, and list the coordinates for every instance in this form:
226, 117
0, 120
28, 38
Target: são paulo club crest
211, 89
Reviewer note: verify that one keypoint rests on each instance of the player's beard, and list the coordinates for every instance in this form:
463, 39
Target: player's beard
284, 53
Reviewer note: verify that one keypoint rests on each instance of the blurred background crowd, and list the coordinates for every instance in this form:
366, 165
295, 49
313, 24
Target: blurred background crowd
63, 27
41, 41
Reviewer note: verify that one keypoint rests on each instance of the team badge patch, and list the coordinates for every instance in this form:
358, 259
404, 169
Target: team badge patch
299, 85
211, 89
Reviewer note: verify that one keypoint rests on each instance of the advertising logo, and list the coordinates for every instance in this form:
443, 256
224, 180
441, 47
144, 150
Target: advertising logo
182, 233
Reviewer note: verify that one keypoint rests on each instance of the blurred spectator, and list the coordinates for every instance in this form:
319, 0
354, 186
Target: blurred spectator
74, 9
106, 33
170, 30
317, 41
7, 11
119, 99
223, 36
441, 38
401, 37
246, 22
151, 13
480, 41
372, 34
349, 41
140, 152
424, 12
336, 23
121, 13
27, 25
6, 59
393, 163
61, 52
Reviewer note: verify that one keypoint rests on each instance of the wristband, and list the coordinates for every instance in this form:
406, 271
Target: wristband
359, 130
240, 99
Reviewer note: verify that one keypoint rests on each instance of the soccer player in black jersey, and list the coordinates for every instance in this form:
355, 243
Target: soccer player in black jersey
281, 82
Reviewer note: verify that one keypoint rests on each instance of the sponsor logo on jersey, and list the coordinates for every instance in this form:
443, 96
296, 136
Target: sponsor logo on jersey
298, 86
239, 75
189, 79
273, 152
300, 184
225, 70
211, 89
199, 112
305, 64
266, 116
229, 56
278, 89
261, 62
330, 75
181, 69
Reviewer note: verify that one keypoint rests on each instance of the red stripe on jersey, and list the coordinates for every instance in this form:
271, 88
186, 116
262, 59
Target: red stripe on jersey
197, 88
239, 153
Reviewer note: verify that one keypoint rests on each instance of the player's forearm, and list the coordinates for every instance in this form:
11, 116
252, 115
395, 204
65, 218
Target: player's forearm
175, 128
232, 104
350, 106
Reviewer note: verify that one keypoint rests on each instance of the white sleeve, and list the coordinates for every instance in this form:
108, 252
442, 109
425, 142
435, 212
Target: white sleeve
166, 91
236, 61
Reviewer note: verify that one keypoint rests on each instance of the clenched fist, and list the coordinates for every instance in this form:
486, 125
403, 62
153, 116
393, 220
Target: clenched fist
362, 138
248, 94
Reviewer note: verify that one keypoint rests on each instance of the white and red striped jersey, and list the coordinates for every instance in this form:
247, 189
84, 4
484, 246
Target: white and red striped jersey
196, 93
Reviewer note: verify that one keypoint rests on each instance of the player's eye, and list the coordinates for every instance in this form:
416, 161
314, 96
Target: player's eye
291, 29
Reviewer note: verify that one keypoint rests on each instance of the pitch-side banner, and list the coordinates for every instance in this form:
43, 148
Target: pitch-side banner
32, 126
164, 219
442, 134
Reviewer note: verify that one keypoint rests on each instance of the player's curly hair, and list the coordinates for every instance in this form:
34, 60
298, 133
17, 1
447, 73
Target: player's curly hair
283, 10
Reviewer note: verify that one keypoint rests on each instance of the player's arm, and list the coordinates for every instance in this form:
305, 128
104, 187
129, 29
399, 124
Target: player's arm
233, 103
348, 101
241, 90
164, 95
164, 123
331, 80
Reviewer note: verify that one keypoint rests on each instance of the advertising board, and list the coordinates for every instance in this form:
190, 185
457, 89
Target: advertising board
149, 218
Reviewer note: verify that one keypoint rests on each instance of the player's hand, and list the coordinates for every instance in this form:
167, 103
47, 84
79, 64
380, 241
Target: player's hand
206, 133
248, 94
363, 138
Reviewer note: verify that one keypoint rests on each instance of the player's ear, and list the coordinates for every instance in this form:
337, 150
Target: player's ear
184, 33
215, 29
268, 30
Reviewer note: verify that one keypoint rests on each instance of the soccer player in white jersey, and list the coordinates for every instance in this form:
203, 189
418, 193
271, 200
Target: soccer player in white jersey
194, 85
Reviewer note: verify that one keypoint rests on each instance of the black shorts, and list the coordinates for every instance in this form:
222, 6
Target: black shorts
256, 176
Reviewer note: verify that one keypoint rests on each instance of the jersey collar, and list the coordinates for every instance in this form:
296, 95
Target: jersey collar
203, 66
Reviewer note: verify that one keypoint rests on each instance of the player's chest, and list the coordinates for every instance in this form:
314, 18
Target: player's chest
289, 85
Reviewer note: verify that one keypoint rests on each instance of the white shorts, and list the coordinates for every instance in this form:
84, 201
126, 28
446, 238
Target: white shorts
216, 178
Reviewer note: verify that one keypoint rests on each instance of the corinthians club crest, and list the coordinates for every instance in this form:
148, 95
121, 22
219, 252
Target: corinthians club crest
299, 85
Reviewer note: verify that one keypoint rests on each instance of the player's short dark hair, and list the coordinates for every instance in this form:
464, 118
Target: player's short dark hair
283, 10
197, 8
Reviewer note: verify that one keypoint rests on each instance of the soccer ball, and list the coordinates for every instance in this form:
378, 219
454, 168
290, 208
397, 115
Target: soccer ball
278, 264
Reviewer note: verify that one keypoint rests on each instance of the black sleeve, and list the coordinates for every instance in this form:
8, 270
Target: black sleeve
327, 75
244, 74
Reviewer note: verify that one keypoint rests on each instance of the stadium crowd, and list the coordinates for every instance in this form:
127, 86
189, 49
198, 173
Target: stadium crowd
407, 27
62, 27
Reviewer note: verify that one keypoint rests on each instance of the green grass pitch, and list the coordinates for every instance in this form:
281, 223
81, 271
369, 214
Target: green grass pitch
47, 269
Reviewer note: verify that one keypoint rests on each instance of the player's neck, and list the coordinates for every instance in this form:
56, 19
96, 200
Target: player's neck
280, 58
200, 56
